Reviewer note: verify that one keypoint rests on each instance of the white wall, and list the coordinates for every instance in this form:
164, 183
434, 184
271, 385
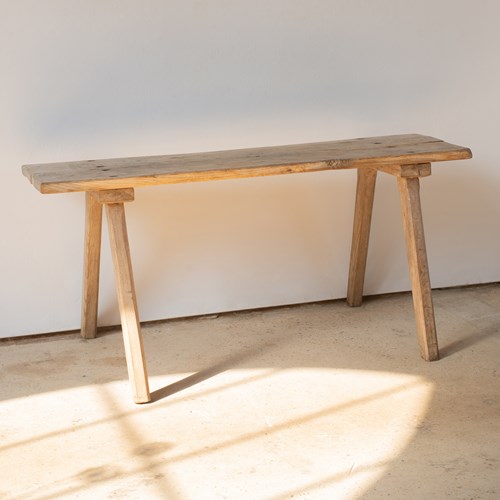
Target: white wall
89, 79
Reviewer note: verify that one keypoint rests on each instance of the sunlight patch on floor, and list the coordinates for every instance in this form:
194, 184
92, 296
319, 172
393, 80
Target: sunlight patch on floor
244, 433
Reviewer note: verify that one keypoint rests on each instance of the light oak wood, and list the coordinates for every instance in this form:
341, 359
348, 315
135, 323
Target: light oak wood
409, 189
113, 195
170, 169
361, 233
418, 170
131, 328
91, 266
111, 182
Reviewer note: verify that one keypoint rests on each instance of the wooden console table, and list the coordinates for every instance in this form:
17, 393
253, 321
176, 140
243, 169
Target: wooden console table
111, 183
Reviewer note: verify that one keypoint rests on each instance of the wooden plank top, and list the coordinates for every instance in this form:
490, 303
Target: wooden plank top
120, 173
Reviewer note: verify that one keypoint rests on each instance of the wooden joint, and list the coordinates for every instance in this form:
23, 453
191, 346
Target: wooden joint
113, 195
416, 170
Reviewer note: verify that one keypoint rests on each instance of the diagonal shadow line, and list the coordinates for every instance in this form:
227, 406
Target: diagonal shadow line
172, 389
293, 422
126, 414
211, 371
466, 342
183, 384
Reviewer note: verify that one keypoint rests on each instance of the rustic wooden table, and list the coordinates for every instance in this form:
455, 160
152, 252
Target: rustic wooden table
111, 183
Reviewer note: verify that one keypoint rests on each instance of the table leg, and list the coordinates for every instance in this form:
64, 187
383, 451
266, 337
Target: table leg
361, 233
409, 190
131, 327
91, 263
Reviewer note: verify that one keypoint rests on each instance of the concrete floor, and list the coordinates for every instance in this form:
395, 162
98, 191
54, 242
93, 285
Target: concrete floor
315, 401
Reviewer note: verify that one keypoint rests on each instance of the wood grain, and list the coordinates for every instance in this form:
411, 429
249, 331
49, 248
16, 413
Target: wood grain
409, 189
131, 328
170, 169
361, 234
91, 266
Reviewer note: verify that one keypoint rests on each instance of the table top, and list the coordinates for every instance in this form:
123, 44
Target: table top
119, 173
